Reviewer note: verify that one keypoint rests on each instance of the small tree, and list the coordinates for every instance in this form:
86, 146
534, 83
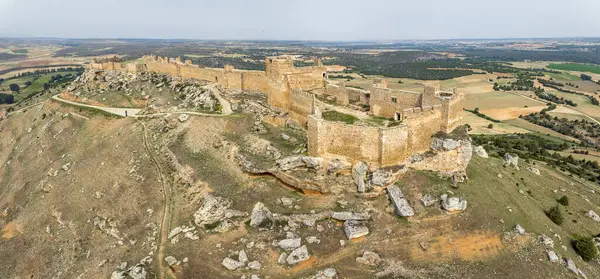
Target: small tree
28, 83
564, 201
585, 247
555, 215
491, 126
14, 87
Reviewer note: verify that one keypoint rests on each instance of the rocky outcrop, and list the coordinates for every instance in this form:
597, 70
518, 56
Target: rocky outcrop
216, 213
359, 173
369, 258
593, 215
480, 151
298, 255
511, 160
293, 162
534, 170
401, 205
453, 204
447, 155
355, 229
261, 216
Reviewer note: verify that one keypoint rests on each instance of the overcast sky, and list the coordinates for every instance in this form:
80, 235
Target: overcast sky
300, 20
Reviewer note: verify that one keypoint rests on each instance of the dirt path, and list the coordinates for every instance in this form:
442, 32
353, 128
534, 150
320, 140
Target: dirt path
167, 198
116, 111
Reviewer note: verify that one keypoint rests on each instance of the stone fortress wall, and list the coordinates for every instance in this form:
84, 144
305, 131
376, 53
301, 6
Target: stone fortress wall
421, 114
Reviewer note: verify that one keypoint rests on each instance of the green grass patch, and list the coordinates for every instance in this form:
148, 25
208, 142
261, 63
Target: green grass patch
563, 76
333, 115
576, 67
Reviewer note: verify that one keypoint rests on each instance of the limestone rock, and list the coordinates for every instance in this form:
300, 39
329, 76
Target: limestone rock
401, 205
369, 258
183, 117
547, 241
480, 151
261, 216
571, 266
293, 162
381, 177
355, 229
453, 204
593, 215
440, 144
359, 173
552, 256
171, 261
533, 170
336, 165
136, 272
242, 257
254, 265
345, 215
290, 243
215, 210
511, 160
429, 200
298, 255
520, 230
231, 264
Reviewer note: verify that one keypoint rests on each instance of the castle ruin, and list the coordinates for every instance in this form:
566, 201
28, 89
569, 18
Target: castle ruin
292, 90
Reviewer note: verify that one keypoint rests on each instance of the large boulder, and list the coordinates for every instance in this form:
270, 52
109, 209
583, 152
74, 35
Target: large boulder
293, 162
480, 151
359, 173
290, 243
298, 255
401, 205
232, 264
453, 204
355, 229
511, 160
215, 210
337, 165
381, 177
369, 258
261, 216
593, 215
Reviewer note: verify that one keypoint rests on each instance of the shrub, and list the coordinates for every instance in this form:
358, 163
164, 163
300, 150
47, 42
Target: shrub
555, 215
491, 126
585, 247
564, 201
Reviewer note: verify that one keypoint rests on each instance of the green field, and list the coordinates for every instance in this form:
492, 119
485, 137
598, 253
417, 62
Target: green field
563, 76
576, 67
37, 85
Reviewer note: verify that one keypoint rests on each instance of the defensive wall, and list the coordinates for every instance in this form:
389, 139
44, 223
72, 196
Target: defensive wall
384, 146
277, 81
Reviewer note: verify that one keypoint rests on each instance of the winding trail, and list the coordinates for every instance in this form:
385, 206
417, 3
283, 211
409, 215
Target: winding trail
133, 112
167, 201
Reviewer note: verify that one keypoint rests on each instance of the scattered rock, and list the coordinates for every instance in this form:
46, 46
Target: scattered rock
290, 243
285, 201
401, 205
520, 230
453, 204
337, 165
231, 264
359, 173
533, 170
345, 215
254, 265
429, 200
171, 261
593, 215
480, 151
282, 258
313, 240
214, 211
298, 255
183, 117
552, 256
571, 266
261, 216
242, 257
355, 229
369, 258
511, 160
381, 177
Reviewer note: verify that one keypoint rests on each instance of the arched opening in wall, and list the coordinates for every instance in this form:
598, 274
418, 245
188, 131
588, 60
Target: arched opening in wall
216, 79
397, 116
324, 75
